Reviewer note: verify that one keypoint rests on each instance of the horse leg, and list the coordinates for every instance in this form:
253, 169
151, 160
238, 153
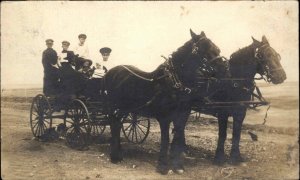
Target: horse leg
115, 146
164, 147
220, 155
238, 118
178, 142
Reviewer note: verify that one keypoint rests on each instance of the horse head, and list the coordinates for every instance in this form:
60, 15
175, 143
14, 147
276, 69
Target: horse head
268, 61
204, 47
190, 59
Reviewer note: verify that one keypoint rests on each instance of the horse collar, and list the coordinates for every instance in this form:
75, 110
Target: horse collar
170, 70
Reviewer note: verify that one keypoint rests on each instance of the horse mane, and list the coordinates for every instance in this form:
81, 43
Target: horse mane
237, 56
181, 52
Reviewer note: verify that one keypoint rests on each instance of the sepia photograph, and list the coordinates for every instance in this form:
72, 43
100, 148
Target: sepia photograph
149, 90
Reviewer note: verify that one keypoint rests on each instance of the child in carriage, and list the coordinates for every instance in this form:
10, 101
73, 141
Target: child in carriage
86, 69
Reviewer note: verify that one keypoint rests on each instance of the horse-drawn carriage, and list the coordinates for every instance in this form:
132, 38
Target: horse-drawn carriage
83, 118
168, 94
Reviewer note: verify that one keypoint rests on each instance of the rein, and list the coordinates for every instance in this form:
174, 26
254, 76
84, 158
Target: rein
141, 77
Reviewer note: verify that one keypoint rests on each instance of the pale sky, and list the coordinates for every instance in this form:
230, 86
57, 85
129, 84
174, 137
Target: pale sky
139, 32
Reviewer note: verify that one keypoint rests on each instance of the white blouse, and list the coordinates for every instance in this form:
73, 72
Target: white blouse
82, 51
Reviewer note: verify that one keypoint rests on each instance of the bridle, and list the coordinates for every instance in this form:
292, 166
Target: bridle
267, 72
170, 69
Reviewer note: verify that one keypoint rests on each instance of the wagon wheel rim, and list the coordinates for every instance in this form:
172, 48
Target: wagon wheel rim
40, 115
136, 128
79, 131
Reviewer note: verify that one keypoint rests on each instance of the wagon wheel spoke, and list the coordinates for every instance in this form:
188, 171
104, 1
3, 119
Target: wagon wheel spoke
130, 116
41, 128
84, 123
141, 129
35, 107
132, 133
128, 127
34, 114
35, 125
67, 121
143, 126
81, 129
140, 135
130, 130
45, 120
35, 119
44, 127
37, 130
136, 135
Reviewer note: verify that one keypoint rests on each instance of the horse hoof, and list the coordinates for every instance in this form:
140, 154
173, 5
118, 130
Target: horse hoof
164, 170
115, 160
218, 161
236, 160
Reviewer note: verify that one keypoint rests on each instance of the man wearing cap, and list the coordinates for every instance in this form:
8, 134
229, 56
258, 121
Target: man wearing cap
66, 57
82, 49
51, 72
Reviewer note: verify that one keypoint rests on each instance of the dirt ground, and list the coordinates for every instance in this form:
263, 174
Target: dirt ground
274, 156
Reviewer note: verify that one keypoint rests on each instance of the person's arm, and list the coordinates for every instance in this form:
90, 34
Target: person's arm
53, 57
59, 61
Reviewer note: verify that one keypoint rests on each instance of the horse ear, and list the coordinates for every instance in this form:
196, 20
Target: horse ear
264, 39
193, 34
203, 34
254, 40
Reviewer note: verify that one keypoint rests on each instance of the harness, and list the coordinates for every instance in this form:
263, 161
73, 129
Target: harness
171, 73
267, 72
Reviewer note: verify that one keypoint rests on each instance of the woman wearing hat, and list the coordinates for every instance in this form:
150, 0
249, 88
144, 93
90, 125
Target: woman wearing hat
82, 49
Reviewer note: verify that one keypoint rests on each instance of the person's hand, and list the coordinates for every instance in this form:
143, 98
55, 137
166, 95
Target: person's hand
98, 66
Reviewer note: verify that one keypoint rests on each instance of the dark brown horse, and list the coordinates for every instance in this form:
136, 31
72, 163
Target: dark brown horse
163, 94
244, 64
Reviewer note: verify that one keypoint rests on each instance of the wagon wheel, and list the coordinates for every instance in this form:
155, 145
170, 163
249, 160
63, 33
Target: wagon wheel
97, 126
135, 128
77, 135
40, 115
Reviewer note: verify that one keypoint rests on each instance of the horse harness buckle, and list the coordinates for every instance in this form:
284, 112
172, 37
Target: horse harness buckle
187, 90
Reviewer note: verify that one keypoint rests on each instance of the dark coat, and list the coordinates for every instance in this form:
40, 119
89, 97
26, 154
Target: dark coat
49, 59
72, 81
51, 74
